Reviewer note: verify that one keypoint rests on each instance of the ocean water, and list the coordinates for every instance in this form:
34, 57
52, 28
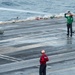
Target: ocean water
23, 9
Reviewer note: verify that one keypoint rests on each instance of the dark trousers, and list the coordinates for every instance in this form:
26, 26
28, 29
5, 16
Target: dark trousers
42, 70
69, 29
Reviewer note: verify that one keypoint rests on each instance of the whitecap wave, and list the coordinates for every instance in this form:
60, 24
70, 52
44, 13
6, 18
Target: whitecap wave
42, 15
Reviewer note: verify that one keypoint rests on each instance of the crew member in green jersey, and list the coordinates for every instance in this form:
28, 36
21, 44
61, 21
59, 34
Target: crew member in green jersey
69, 18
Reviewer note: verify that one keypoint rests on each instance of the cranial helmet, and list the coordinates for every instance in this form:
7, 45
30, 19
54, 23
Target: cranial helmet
43, 51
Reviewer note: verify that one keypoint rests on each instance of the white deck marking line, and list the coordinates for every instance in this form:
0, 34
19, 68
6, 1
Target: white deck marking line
61, 70
9, 58
13, 49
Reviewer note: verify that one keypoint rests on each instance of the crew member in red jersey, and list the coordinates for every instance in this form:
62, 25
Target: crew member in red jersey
43, 59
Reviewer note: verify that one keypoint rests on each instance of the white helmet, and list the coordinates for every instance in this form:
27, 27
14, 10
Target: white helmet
43, 51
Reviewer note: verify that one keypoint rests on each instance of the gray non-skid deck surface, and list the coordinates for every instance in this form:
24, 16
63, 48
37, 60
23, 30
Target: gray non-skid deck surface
22, 43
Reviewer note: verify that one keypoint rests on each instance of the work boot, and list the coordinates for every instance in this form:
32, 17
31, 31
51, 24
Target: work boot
68, 35
71, 35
